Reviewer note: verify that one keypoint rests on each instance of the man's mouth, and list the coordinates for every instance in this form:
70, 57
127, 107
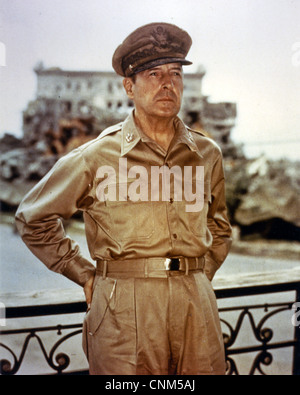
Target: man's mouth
165, 98
165, 95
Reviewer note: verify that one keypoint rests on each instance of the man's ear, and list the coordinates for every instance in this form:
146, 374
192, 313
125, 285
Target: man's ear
128, 86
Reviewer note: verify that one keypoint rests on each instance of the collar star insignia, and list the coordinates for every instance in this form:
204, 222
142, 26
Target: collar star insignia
129, 137
190, 137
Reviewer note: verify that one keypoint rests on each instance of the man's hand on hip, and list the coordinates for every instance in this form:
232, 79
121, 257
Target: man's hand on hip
88, 291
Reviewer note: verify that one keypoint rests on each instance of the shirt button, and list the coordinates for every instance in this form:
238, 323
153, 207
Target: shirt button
174, 236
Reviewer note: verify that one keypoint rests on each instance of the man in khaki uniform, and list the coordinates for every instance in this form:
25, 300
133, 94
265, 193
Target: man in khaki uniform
153, 198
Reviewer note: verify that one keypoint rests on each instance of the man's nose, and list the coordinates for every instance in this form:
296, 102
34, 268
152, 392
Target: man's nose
168, 82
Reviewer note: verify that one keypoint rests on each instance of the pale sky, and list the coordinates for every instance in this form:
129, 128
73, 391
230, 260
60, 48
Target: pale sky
249, 48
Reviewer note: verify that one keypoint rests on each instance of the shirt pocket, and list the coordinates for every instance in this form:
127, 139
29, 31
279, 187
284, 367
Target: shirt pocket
130, 219
196, 221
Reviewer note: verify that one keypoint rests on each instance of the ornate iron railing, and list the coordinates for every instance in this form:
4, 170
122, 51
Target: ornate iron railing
59, 361
261, 333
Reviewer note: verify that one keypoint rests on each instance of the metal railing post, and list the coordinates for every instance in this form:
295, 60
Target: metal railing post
296, 362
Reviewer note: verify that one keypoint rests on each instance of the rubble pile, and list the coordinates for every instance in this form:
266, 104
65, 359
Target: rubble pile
48, 134
20, 169
263, 198
51, 127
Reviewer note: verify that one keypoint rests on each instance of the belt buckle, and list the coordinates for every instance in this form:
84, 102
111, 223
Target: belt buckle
172, 264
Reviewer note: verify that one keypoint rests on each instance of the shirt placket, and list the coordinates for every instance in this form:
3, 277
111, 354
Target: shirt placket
168, 202
171, 212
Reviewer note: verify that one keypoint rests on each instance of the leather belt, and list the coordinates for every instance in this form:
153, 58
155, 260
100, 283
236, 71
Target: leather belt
150, 267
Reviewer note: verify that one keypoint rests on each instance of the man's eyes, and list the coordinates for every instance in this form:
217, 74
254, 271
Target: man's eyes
156, 74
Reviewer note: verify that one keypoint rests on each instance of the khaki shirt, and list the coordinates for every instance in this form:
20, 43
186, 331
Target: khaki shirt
110, 179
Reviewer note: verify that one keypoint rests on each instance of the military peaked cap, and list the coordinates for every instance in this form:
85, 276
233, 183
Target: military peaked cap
149, 46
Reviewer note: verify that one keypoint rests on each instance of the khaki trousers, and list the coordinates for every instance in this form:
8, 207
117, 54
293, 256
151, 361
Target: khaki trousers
154, 326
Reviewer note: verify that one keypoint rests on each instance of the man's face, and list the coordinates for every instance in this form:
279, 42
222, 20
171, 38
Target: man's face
157, 92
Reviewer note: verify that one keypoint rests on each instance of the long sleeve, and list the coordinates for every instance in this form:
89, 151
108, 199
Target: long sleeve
217, 222
38, 217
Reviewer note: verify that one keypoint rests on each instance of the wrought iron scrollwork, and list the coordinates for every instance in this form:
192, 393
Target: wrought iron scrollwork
263, 358
58, 362
262, 334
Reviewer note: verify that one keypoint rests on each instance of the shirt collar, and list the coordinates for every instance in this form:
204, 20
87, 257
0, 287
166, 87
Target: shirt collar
131, 135
185, 136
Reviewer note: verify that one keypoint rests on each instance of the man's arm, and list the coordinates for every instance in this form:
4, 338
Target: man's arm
38, 218
217, 221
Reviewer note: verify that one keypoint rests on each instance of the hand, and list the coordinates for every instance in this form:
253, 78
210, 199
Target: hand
88, 291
